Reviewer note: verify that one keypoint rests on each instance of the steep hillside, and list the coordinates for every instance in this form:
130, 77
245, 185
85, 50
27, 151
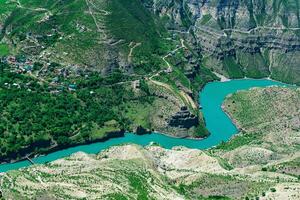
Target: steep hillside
92, 33
256, 38
261, 162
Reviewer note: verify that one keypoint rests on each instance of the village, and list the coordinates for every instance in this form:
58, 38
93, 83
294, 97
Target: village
52, 74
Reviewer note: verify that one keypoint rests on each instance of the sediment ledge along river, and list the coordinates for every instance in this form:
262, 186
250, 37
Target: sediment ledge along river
218, 123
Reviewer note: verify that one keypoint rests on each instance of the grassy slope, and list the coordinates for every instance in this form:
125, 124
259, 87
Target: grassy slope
30, 18
128, 21
4, 50
131, 22
268, 119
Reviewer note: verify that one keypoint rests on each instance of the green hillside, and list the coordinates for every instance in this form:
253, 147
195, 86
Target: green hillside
74, 71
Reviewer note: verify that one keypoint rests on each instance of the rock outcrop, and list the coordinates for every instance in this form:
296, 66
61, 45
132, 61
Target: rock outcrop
142, 131
183, 119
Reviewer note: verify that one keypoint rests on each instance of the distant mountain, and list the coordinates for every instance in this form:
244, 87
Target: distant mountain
255, 38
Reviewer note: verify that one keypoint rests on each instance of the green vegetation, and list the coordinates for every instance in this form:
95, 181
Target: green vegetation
205, 19
254, 65
69, 101
138, 186
204, 76
47, 22
256, 163
213, 186
264, 117
8, 6
95, 106
115, 196
91, 68
32, 117
4, 50
240, 140
289, 167
56, 26
98, 131
139, 113
232, 68
130, 21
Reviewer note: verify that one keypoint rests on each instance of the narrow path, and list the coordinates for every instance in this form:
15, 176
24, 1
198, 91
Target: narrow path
189, 99
214, 32
19, 5
31, 161
184, 96
131, 50
98, 16
170, 68
117, 42
210, 31
104, 12
77, 131
94, 18
38, 78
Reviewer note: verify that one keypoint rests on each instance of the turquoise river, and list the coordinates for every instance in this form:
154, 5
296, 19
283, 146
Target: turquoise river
218, 123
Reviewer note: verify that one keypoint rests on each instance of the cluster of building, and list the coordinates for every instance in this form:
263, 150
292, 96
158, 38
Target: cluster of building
22, 65
19, 64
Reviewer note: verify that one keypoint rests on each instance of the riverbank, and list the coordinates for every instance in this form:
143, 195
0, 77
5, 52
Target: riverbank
222, 77
45, 152
111, 135
218, 123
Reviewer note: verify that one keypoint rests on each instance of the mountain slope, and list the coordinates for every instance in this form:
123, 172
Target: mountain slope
90, 33
240, 38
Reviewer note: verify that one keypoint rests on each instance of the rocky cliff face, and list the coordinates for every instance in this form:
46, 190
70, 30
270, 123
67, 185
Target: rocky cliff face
183, 119
255, 38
